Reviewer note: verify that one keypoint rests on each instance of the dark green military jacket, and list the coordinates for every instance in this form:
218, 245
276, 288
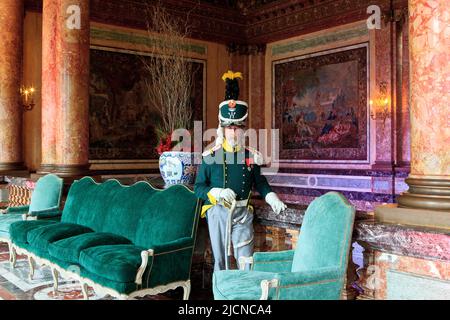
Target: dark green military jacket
236, 170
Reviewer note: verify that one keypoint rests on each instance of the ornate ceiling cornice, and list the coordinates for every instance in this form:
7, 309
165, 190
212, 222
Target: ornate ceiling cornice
238, 22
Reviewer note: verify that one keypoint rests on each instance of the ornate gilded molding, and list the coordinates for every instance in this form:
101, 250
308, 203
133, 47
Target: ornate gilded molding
103, 34
359, 31
240, 21
246, 49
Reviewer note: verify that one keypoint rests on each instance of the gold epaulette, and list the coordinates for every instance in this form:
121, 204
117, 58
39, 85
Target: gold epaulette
212, 150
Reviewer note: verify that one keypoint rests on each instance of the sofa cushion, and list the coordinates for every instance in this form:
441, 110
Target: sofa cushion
19, 230
240, 285
69, 249
114, 262
42, 237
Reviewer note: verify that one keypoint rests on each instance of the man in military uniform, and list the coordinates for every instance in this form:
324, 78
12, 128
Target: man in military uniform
225, 180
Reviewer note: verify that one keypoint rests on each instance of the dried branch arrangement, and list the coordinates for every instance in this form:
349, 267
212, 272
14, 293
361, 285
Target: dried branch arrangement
169, 74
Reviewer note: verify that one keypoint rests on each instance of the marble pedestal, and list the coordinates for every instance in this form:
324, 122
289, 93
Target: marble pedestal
391, 213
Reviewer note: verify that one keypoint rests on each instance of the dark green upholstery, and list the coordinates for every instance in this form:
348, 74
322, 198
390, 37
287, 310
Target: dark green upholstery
114, 262
121, 287
105, 227
41, 237
315, 270
69, 249
18, 210
19, 230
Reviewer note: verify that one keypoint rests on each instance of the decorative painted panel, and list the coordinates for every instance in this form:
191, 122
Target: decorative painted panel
320, 105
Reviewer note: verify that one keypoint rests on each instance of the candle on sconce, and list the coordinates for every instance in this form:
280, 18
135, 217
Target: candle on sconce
27, 94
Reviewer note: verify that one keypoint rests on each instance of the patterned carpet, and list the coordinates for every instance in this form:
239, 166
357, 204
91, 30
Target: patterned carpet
15, 285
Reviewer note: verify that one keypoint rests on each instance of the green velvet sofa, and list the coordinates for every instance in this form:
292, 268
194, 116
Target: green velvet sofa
125, 241
44, 205
315, 270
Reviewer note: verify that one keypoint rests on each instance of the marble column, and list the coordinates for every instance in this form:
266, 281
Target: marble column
65, 87
429, 36
11, 33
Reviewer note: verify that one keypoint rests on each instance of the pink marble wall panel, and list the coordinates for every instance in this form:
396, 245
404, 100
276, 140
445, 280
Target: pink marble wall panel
429, 30
421, 267
405, 240
383, 73
404, 128
11, 30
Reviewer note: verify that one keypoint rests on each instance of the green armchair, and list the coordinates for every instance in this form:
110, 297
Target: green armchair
45, 201
315, 270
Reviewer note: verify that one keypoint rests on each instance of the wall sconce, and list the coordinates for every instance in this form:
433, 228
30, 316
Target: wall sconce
27, 94
379, 108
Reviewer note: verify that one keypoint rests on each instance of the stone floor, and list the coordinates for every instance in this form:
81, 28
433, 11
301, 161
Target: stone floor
15, 285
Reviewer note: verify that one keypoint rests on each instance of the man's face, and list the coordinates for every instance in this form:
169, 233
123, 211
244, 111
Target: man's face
234, 135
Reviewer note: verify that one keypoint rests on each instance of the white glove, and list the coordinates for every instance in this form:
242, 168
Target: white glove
223, 194
220, 136
276, 204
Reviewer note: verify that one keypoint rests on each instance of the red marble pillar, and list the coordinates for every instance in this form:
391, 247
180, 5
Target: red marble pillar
11, 33
65, 87
429, 36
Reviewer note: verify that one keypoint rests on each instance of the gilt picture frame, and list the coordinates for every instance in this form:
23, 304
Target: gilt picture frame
321, 106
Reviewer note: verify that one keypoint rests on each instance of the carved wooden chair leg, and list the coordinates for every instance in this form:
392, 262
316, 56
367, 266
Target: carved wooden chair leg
12, 256
32, 265
186, 290
55, 275
85, 290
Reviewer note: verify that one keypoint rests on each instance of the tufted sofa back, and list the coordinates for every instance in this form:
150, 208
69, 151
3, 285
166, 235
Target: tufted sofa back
144, 215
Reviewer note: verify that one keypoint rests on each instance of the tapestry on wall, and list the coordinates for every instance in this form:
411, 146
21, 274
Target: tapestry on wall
121, 119
320, 105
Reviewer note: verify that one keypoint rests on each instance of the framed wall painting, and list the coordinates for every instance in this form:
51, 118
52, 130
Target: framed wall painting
121, 119
320, 105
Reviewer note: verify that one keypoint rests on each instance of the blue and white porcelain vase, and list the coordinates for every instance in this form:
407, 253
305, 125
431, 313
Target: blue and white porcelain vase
179, 167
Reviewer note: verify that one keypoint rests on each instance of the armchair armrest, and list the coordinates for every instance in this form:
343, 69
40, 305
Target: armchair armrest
18, 210
52, 212
308, 277
289, 280
164, 248
280, 261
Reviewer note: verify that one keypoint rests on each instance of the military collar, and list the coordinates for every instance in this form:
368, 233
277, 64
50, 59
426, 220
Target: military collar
228, 148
